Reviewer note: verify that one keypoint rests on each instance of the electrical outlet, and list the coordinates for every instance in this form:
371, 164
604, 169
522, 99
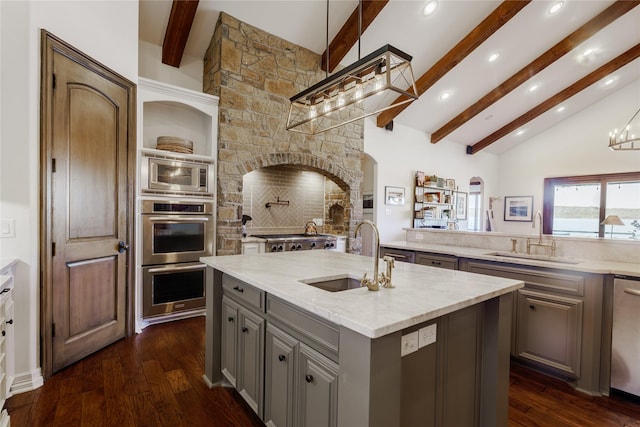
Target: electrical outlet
427, 335
409, 343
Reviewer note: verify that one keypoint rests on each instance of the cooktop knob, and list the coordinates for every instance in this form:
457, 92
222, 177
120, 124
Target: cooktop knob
274, 248
293, 247
298, 246
313, 245
280, 248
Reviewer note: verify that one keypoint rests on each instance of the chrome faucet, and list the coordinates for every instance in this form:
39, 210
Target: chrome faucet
551, 245
372, 284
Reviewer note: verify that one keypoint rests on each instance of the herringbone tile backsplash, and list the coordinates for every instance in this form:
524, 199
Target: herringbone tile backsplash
303, 190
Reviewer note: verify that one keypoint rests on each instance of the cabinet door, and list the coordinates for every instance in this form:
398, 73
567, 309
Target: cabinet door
281, 351
229, 322
251, 358
252, 248
318, 388
549, 330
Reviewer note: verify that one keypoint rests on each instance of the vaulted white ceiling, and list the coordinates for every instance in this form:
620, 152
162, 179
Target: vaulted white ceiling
530, 33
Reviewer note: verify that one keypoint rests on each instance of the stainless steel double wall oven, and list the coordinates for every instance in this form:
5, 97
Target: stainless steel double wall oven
175, 234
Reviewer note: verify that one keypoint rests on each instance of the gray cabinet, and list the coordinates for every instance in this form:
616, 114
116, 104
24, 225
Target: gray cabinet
281, 368
242, 352
549, 328
398, 254
557, 320
441, 261
318, 380
301, 385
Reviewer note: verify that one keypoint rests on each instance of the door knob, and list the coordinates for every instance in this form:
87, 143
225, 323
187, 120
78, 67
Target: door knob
122, 246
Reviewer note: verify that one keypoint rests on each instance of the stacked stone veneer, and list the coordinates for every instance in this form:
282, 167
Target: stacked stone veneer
255, 73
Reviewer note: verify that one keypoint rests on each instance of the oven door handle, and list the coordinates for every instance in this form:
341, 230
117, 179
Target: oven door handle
178, 218
182, 268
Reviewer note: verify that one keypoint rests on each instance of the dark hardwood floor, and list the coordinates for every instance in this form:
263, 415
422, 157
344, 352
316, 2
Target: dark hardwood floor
155, 379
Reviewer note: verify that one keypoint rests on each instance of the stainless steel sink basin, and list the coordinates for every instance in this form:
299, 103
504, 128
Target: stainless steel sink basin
334, 283
536, 257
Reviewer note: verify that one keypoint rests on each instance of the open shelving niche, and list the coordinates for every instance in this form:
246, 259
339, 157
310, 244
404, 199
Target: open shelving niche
434, 202
168, 110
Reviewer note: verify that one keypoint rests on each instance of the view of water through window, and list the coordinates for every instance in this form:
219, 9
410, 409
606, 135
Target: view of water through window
577, 208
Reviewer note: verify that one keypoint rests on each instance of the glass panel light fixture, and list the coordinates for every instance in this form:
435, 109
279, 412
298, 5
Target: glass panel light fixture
364, 88
628, 138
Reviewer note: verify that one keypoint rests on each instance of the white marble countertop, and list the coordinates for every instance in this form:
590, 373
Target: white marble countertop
421, 293
581, 265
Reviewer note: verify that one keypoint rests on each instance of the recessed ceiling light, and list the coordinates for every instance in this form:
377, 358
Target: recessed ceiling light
493, 57
445, 95
533, 88
556, 7
520, 132
560, 109
587, 52
430, 7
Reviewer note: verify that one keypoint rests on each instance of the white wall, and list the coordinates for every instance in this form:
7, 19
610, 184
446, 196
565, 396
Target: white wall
575, 146
104, 30
402, 152
189, 75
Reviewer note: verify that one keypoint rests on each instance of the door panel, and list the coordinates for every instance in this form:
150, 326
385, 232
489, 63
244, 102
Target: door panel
88, 141
93, 163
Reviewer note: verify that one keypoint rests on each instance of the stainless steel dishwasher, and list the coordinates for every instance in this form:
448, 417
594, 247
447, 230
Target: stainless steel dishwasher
625, 341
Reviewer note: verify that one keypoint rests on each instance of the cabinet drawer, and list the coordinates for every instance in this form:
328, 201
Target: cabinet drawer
398, 254
243, 293
441, 261
561, 283
322, 335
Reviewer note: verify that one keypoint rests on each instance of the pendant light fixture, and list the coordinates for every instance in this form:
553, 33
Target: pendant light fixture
628, 138
364, 88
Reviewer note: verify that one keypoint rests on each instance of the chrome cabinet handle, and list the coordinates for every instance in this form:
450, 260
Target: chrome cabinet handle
281, 357
245, 329
238, 288
230, 319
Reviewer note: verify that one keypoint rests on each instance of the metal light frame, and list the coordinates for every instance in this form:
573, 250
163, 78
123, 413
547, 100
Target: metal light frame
348, 95
622, 141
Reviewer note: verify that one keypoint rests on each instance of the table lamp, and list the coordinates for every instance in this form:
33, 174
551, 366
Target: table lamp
612, 220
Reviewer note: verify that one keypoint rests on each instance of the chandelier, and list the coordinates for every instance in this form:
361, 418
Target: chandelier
364, 88
628, 138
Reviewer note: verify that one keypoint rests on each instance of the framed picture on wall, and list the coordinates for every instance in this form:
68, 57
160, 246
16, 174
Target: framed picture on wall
394, 195
461, 205
518, 208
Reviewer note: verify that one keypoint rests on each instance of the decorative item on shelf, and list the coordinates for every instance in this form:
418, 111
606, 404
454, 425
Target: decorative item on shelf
612, 220
627, 138
174, 144
420, 179
348, 95
461, 205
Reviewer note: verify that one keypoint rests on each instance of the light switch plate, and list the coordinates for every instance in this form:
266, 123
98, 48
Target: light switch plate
7, 227
409, 343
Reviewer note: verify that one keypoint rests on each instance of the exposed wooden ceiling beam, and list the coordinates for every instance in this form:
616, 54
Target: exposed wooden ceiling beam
492, 23
566, 45
177, 32
348, 34
597, 75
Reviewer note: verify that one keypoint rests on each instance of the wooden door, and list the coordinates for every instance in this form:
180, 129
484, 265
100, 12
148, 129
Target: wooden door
88, 121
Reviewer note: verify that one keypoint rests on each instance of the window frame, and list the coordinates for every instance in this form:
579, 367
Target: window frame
604, 179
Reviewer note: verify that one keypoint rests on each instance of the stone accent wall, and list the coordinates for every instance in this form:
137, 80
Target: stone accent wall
255, 73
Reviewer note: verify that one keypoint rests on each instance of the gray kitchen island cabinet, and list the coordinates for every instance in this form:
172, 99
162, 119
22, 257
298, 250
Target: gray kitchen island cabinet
433, 351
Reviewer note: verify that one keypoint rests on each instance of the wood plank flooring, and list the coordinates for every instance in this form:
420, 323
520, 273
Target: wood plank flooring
155, 379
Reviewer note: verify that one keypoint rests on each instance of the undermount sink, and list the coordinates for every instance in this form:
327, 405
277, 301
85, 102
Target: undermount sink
334, 283
536, 257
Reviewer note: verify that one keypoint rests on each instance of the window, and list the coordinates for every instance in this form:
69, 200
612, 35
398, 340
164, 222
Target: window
577, 206
474, 204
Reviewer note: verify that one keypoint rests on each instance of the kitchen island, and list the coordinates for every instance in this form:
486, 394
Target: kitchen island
434, 350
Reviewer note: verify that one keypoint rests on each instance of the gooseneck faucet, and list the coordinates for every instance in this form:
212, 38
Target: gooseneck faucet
551, 245
372, 284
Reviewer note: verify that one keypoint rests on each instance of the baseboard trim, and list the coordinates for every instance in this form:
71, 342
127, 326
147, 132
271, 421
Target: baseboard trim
27, 382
